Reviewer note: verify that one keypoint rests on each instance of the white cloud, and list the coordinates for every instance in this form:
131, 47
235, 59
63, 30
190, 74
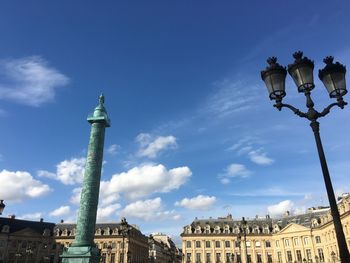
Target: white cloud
247, 146
19, 185
234, 170
69, 172
230, 97
150, 147
29, 80
33, 216
113, 149
61, 211
145, 180
150, 209
105, 213
280, 208
200, 202
259, 157
75, 198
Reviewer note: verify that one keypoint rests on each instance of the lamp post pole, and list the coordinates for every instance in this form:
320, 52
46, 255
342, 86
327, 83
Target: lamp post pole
244, 228
333, 77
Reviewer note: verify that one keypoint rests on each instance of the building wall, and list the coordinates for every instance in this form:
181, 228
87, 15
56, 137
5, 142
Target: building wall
289, 239
111, 242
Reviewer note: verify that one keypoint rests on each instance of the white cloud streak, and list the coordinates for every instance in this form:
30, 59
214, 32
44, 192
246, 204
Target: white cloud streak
113, 149
29, 81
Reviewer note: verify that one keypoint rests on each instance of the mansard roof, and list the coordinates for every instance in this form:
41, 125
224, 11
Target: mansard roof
16, 225
305, 220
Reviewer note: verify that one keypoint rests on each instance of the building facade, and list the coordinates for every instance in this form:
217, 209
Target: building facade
309, 237
162, 249
23, 241
116, 243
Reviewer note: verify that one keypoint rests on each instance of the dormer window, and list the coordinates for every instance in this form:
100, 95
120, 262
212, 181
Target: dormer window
236, 230
207, 229
217, 230
256, 230
227, 229
198, 230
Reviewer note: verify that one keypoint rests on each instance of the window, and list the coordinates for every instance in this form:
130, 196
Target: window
198, 244
207, 243
289, 256
188, 244
188, 257
320, 254
259, 258
248, 243
308, 253
227, 244
286, 242
257, 244
318, 239
218, 257
268, 244
113, 258
279, 256
228, 257
306, 240
269, 258
239, 258
198, 257
249, 258
217, 243
299, 255
237, 243
296, 241
103, 259
208, 257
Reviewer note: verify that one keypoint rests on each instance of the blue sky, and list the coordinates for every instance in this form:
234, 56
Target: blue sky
193, 131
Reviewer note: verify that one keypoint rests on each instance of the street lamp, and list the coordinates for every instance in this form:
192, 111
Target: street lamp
125, 230
333, 77
2, 206
244, 228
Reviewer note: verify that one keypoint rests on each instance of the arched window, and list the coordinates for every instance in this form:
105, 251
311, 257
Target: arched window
198, 230
217, 230
236, 230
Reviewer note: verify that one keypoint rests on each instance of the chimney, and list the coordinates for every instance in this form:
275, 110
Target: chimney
13, 216
286, 214
41, 220
267, 216
62, 221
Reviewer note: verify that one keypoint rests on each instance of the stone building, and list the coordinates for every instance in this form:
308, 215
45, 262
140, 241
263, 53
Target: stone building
162, 249
309, 237
23, 241
117, 242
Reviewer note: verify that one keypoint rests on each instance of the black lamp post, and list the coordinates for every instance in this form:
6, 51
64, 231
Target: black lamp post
244, 228
2, 206
333, 77
125, 230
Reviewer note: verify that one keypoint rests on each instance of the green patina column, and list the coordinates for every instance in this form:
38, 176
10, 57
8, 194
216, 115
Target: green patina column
83, 249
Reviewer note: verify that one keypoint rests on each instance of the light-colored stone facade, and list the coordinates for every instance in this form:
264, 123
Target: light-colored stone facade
115, 244
23, 241
162, 249
309, 237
